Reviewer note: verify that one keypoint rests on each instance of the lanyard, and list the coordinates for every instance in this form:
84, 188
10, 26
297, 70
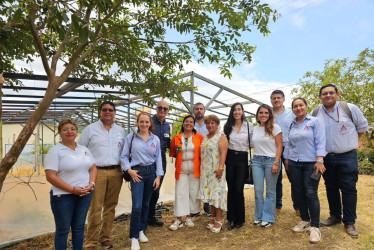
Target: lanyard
337, 111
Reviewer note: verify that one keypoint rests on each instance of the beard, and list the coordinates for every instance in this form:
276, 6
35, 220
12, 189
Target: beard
199, 116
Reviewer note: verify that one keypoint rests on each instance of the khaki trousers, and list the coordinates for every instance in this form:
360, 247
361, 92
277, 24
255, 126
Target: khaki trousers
103, 203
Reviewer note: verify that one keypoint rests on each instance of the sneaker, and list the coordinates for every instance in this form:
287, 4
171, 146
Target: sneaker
195, 215
189, 222
257, 222
142, 237
177, 224
155, 222
107, 244
301, 227
135, 244
315, 235
351, 230
265, 224
332, 220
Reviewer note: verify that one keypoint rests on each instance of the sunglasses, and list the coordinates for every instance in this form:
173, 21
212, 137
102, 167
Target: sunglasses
105, 110
162, 108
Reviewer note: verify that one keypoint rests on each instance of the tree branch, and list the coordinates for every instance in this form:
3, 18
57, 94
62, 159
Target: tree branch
38, 41
98, 27
64, 42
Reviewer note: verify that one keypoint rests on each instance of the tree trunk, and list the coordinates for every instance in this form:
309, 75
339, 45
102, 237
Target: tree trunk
13, 154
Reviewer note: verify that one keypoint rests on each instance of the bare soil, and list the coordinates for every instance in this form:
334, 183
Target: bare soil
278, 236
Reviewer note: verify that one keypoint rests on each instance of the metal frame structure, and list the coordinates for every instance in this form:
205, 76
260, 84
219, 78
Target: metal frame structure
76, 99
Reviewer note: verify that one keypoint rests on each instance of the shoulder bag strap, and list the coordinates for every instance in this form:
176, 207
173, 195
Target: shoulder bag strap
132, 139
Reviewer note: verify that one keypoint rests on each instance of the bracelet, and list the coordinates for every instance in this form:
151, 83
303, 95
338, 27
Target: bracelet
93, 183
276, 163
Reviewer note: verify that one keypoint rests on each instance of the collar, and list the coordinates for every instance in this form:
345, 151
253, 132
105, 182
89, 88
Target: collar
102, 124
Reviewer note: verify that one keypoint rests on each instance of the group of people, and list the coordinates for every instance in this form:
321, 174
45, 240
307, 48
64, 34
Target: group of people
87, 176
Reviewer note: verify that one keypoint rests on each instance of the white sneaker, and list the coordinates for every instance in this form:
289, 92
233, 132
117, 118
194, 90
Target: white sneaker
302, 227
177, 224
135, 244
315, 235
142, 237
257, 222
189, 222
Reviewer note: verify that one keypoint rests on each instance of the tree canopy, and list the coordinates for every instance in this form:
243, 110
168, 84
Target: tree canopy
353, 78
143, 43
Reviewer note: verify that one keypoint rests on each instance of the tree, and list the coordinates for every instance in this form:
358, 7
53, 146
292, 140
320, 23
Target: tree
354, 80
146, 40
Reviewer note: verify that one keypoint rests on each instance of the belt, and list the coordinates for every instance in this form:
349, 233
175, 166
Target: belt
238, 152
109, 167
350, 151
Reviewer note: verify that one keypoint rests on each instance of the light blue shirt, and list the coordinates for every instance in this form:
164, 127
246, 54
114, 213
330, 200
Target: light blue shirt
284, 120
201, 129
142, 153
105, 146
306, 141
341, 132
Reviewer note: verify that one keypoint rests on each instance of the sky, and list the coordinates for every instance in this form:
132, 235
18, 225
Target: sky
308, 33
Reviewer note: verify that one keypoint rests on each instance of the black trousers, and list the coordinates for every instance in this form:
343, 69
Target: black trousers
236, 173
156, 193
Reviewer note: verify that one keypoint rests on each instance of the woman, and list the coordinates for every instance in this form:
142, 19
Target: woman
185, 147
236, 130
304, 153
212, 181
141, 158
268, 146
71, 170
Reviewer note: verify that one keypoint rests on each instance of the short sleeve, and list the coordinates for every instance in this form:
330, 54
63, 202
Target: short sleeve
51, 160
276, 130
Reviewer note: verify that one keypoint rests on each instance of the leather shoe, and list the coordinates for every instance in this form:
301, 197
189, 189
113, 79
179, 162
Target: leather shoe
155, 223
239, 225
332, 220
230, 226
107, 244
351, 230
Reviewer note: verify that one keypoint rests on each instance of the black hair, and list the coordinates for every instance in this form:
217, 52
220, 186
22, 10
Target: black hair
107, 102
328, 85
299, 98
193, 130
277, 91
199, 103
231, 120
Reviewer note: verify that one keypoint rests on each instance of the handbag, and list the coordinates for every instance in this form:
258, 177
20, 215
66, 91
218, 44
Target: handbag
126, 176
249, 179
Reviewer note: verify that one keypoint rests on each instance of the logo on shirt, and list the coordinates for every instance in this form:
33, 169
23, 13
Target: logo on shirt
343, 128
166, 135
85, 153
119, 144
153, 145
306, 127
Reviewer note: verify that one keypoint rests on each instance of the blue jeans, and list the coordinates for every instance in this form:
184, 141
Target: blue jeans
261, 168
69, 211
305, 190
141, 193
341, 176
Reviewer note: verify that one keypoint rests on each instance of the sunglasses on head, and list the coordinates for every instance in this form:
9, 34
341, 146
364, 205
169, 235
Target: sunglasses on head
162, 108
105, 110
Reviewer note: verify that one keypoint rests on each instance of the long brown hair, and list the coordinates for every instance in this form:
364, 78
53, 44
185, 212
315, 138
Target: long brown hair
269, 124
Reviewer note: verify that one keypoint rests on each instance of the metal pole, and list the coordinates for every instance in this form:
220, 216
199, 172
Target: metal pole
191, 92
128, 114
37, 150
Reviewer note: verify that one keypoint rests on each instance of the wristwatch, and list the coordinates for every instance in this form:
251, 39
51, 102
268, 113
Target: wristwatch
320, 161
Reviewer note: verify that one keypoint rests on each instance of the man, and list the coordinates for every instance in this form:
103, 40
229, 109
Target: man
283, 117
344, 124
105, 140
162, 130
199, 112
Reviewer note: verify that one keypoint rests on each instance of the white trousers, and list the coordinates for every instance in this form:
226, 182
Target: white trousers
186, 195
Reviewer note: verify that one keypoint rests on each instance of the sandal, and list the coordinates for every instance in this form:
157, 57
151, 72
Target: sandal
210, 226
217, 230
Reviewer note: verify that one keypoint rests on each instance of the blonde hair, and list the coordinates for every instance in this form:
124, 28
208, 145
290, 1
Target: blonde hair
151, 127
64, 122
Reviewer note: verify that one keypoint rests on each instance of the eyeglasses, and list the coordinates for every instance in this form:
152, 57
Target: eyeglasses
71, 129
162, 108
328, 93
105, 110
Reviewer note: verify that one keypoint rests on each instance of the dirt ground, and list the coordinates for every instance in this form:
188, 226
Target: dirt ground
278, 236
